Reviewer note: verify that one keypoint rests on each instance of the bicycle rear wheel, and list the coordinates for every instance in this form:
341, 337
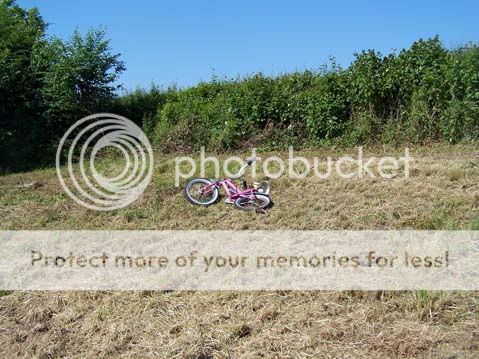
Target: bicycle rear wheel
200, 192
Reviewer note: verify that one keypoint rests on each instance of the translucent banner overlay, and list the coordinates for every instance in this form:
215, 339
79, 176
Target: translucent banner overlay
239, 260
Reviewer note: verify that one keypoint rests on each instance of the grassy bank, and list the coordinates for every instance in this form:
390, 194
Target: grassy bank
441, 193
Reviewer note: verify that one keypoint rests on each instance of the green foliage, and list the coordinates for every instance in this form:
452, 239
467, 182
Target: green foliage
47, 84
21, 32
422, 94
77, 77
140, 105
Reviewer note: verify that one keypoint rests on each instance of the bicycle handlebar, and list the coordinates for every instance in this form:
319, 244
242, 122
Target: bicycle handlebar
243, 168
250, 161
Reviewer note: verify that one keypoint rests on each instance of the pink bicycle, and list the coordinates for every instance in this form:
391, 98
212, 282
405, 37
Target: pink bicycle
204, 192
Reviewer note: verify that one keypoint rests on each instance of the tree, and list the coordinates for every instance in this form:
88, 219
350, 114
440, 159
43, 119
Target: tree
22, 31
78, 77
47, 84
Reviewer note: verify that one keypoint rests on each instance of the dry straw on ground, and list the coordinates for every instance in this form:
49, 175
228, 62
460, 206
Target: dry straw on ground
442, 193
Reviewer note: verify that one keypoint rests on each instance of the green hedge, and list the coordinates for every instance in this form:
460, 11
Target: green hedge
422, 94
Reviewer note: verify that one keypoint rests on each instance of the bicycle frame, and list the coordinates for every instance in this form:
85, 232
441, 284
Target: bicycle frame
233, 191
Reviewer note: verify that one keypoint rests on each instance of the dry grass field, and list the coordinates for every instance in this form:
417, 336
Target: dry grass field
442, 192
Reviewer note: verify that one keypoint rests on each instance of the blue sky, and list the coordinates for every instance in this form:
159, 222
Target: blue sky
183, 42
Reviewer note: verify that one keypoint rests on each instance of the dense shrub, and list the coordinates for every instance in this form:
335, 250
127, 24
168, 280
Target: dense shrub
422, 94
47, 84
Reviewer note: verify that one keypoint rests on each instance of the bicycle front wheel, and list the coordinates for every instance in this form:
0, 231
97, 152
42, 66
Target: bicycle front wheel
251, 204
